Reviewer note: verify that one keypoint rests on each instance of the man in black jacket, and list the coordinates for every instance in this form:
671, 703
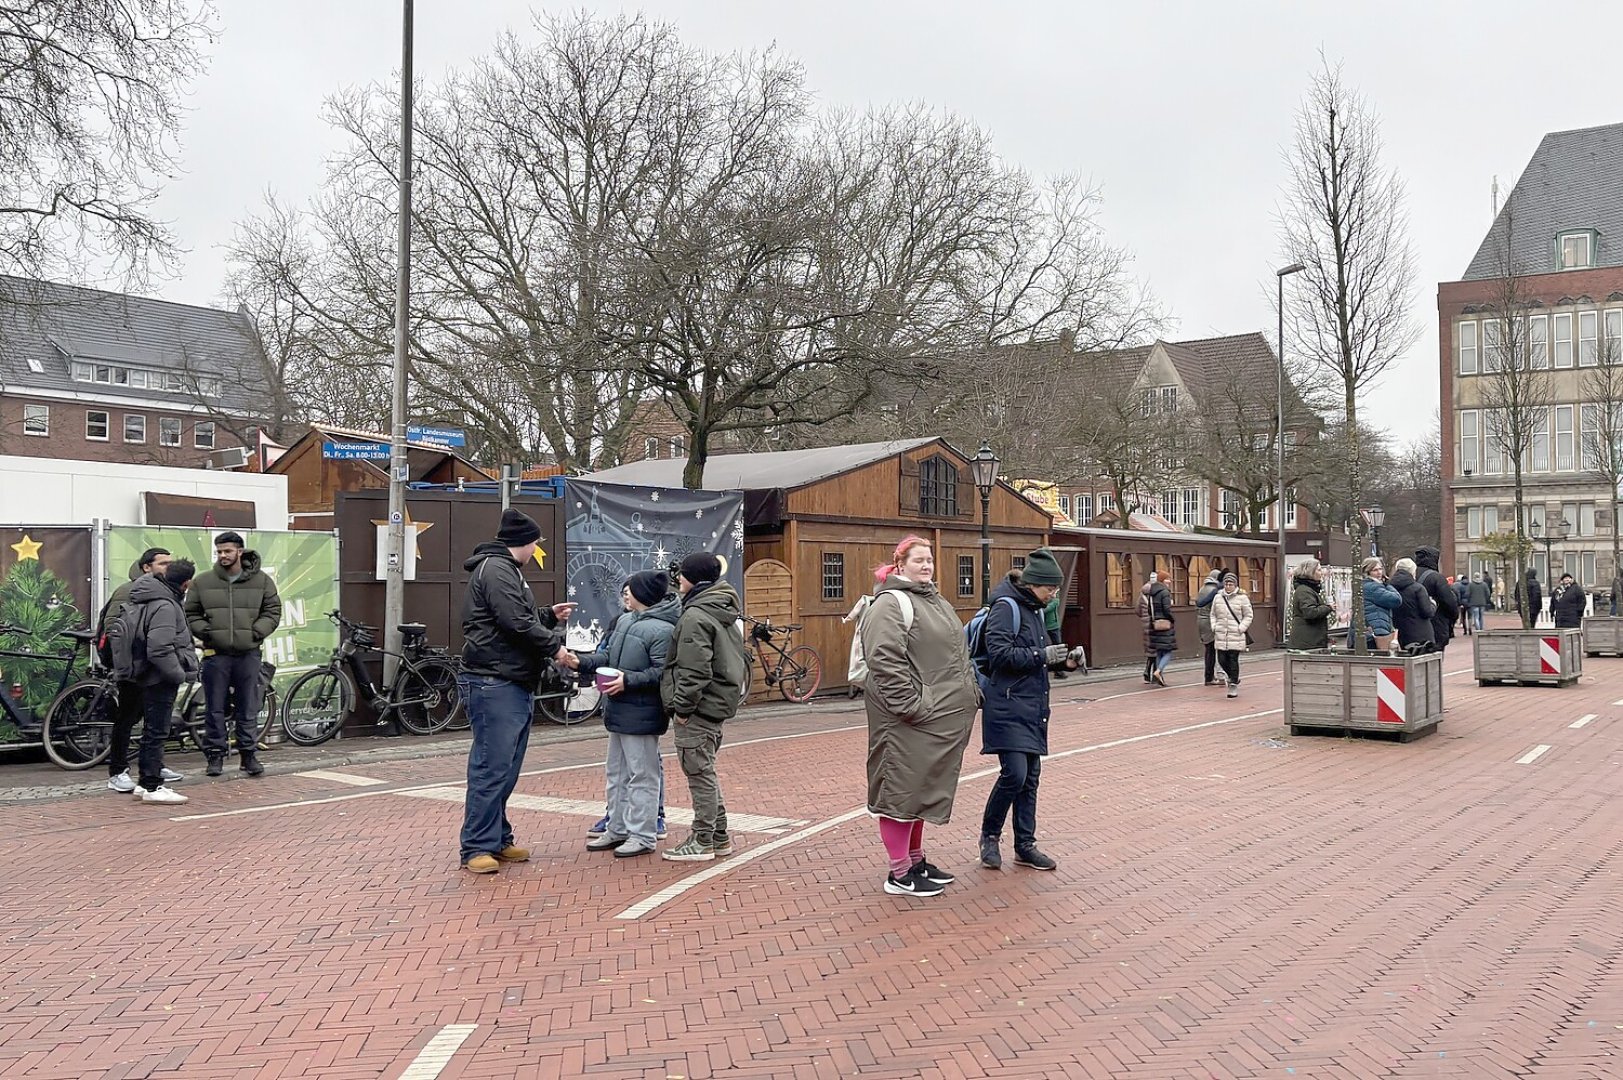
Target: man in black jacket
1442, 594
153, 655
506, 645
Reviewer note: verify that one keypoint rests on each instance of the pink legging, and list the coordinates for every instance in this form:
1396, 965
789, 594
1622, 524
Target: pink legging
904, 843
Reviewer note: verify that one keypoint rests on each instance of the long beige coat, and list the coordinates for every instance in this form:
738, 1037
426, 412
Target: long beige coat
1229, 626
921, 698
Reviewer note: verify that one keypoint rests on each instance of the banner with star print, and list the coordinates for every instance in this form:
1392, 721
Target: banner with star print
44, 590
614, 530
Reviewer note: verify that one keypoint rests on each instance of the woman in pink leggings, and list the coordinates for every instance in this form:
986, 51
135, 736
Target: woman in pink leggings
921, 697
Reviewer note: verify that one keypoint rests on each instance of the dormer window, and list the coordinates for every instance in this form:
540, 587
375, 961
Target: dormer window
1575, 250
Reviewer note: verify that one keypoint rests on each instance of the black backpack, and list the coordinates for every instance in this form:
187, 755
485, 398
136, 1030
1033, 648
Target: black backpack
126, 639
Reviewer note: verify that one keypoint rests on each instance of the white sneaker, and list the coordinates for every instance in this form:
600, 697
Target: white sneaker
163, 795
121, 783
170, 776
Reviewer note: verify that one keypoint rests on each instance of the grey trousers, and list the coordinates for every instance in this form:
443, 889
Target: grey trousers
633, 786
697, 743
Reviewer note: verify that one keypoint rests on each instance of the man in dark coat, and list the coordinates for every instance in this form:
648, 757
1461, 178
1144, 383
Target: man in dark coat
1535, 598
1567, 604
1442, 594
506, 644
1014, 715
152, 561
1203, 621
153, 656
232, 609
1415, 620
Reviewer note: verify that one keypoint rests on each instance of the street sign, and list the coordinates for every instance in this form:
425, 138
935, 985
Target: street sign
438, 435
354, 451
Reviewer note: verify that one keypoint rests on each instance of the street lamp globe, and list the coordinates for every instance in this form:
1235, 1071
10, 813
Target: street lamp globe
984, 467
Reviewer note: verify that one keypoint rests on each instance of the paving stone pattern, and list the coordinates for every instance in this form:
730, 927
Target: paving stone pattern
1230, 902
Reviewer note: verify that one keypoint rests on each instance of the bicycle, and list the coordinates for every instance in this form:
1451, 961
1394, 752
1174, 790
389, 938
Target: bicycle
191, 706
422, 697
798, 670
72, 748
563, 698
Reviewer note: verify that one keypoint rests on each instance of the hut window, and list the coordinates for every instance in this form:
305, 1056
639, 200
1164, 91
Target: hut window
1117, 588
1180, 578
966, 575
1256, 583
938, 488
1017, 563
833, 575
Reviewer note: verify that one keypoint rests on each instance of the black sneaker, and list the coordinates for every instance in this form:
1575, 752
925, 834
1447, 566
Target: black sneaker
991, 858
912, 884
1035, 859
932, 873
251, 765
216, 766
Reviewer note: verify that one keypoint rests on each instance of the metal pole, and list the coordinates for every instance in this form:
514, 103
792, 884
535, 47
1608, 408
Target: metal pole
1279, 448
394, 595
986, 546
510, 475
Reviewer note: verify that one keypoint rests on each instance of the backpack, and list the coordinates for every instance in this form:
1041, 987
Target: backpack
975, 633
127, 643
858, 675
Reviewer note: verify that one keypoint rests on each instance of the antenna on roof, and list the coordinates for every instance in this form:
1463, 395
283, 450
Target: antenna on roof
1495, 196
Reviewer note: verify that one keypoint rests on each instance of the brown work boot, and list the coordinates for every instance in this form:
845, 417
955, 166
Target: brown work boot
514, 853
482, 864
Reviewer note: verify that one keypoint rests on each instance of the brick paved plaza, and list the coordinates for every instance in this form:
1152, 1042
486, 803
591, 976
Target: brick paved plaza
1230, 902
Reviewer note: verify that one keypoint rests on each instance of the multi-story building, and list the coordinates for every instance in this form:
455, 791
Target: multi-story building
1556, 247
101, 376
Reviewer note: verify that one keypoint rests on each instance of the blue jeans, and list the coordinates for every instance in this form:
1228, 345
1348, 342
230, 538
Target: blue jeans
1017, 787
237, 677
1162, 659
1476, 617
499, 713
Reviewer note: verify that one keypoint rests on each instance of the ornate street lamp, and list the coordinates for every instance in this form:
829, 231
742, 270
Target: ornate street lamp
1376, 518
984, 467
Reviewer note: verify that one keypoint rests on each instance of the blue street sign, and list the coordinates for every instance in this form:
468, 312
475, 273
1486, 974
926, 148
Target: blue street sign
354, 451
438, 434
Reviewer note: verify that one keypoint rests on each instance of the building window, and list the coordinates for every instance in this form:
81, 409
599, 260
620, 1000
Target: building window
1191, 507
1588, 338
1065, 505
1468, 441
1586, 519
135, 428
1290, 508
966, 575
1018, 562
1588, 576
1169, 400
203, 435
833, 575
1493, 457
1473, 523
1563, 339
96, 425
1612, 348
168, 431
938, 488
35, 366
1538, 340
1467, 339
1169, 506
1575, 250
1590, 451
1084, 509
1493, 350
1539, 444
36, 419
1563, 439
679, 447
1490, 520
650, 449
1107, 502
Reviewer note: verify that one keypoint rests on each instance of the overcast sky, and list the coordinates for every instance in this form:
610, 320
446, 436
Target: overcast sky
1178, 111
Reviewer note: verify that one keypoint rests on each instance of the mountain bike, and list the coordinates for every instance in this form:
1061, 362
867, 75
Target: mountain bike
70, 745
563, 697
422, 697
798, 670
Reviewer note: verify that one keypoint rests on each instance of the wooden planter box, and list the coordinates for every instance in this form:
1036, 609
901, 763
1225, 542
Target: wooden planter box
1344, 692
1530, 657
1603, 634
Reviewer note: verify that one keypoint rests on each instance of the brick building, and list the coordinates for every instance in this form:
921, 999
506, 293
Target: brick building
1566, 249
102, 376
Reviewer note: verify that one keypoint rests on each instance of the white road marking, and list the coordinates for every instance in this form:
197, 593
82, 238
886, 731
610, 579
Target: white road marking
342, 778
1533, 755
432, 1059
1617, 703
593, 808
1582, 721
677, 888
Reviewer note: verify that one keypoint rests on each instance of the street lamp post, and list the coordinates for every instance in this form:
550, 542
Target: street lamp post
1376, 518
394, 582
984, 465
1283, 579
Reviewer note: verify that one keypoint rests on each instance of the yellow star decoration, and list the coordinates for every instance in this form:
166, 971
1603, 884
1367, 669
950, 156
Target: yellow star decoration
414, 529
540, 557
27, 548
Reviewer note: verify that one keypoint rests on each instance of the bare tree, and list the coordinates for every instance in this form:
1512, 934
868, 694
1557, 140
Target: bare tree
1232, 442
90, 106
1343, 219
1602, 433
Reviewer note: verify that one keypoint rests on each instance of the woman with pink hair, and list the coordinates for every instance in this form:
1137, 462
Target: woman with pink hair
921, 697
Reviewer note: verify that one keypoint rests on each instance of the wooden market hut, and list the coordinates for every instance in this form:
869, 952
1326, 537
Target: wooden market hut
818, 521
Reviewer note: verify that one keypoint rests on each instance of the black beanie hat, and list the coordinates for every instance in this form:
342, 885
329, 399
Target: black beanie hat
517, 529
701, 567
649, 586
1043, 569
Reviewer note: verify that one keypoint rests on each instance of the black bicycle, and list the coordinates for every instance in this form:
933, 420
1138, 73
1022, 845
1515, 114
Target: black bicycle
798, 670
422, 697
69, 744
563, 697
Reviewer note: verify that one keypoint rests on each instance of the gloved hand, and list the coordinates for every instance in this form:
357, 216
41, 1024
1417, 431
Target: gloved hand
1056, 655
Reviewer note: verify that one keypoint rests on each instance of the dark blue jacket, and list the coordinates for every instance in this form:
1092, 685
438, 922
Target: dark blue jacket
638, 643
1014, 715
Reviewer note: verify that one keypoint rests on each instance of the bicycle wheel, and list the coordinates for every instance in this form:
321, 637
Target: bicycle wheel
749, 678
187, 729
78, 726
316, 706
425, 696
800, 674
569, 707
267, 717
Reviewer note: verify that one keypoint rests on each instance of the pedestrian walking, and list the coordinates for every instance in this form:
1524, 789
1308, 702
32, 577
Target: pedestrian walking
507, 643
1478, 595
636, 649
1014, 715
1446, 604
1381, 600
701, 687
152, 561
1414, 618
1160, 636
1231, 626
1203, 621
1462, 597
1535, 597
1493, 588
1567, 604
231, 610
154, 656
921, 702
1310, 613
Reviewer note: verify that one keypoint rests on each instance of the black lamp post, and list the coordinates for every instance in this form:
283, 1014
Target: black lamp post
1556, 533
1376, 518
984, 465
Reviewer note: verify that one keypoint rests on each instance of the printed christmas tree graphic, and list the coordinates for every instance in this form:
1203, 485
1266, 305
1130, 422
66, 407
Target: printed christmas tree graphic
37, 605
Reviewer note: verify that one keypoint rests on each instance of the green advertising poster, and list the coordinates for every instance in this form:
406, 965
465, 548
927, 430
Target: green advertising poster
303, 564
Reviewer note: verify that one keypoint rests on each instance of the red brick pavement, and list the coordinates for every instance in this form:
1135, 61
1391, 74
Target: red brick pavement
1230, 903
